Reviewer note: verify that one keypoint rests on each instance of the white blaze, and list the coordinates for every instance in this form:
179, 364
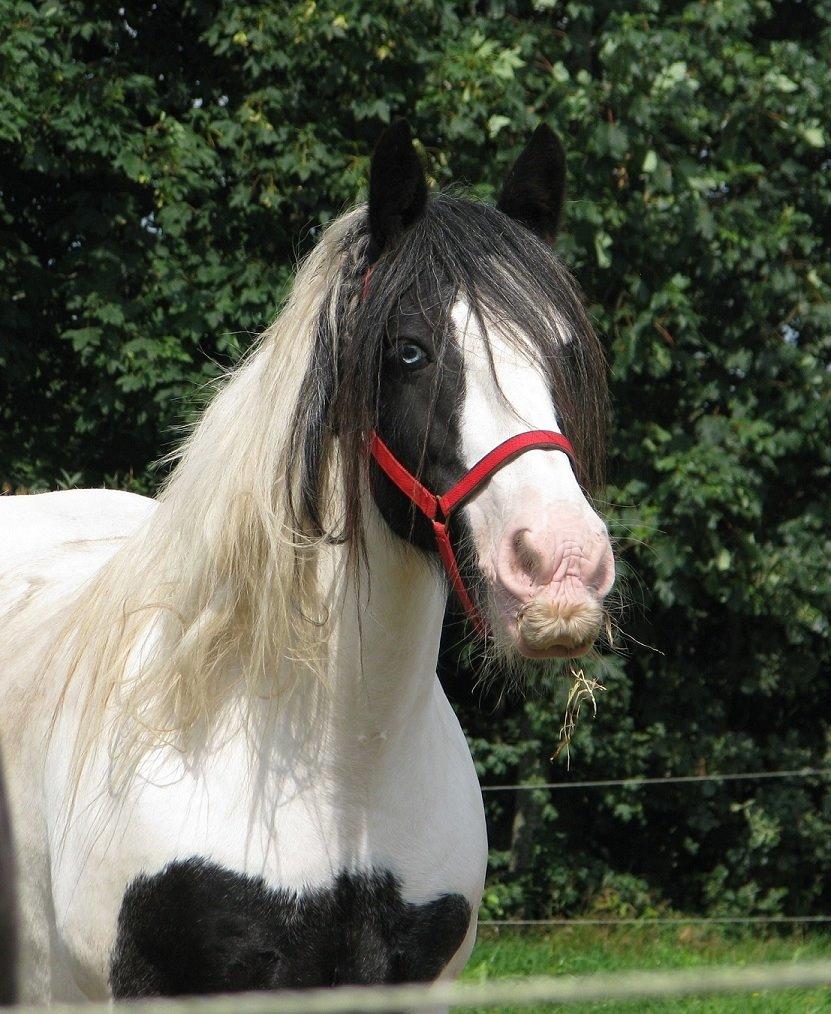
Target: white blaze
541, 547
492, 414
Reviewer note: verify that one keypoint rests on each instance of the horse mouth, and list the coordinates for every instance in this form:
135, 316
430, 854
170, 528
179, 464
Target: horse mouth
549, 628
555, 651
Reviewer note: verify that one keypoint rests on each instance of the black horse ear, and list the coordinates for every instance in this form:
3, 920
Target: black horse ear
534, 190
397, 187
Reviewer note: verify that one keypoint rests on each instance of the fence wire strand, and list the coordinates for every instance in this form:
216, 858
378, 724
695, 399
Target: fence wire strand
668, 780
726, 920
494, 993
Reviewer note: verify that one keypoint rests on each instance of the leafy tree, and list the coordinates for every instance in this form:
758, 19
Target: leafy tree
161, 165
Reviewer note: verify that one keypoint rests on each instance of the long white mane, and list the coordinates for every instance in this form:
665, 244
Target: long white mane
219, 584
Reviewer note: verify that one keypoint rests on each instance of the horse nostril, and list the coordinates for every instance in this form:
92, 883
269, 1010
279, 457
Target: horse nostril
530, 557
601, 570
526, 557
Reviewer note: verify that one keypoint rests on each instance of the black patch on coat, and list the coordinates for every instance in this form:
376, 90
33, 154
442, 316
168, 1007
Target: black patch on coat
198, 928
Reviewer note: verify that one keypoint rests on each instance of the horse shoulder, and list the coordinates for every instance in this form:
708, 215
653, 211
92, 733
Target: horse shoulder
50, 545
48, 540
40, 521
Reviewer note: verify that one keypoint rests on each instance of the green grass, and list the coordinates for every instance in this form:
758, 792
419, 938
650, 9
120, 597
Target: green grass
582, 950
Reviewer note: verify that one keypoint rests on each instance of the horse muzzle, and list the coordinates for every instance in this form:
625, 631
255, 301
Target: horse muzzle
550, 580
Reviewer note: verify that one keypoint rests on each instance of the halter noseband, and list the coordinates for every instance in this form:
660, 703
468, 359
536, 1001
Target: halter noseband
437, 509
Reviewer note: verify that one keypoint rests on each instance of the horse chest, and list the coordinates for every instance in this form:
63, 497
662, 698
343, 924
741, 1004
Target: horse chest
224, 882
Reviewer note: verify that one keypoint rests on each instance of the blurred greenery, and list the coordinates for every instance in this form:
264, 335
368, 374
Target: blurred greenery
163, 164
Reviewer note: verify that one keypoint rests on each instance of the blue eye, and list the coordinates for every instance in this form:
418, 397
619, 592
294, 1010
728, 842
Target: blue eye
410, 355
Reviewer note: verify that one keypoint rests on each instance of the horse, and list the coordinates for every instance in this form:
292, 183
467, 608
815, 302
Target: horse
230, 762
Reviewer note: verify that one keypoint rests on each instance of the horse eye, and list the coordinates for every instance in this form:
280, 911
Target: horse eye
411, 355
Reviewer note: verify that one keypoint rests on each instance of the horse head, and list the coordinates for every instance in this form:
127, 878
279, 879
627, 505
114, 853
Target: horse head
468, 334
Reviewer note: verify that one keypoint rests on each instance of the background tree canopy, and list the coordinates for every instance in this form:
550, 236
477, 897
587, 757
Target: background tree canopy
163, 164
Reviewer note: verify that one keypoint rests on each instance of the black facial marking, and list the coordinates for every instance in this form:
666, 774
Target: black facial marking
198, 928
419, 408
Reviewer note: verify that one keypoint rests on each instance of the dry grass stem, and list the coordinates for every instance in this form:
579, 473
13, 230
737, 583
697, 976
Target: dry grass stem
583, 688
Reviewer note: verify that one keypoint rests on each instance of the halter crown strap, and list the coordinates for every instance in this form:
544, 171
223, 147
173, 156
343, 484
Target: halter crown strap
439, 508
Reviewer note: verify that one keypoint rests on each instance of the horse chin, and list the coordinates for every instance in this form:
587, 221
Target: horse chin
556, 651
550, 628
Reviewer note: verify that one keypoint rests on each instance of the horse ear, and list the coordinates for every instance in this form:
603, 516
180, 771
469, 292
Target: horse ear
535, 187
397, 187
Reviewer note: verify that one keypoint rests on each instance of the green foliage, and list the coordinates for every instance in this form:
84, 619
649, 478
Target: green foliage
161, 166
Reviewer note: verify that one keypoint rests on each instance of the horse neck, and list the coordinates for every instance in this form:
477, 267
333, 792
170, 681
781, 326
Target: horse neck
388, 638
379, 671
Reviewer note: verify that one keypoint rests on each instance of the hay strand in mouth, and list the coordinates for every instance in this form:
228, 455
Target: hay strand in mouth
583, 688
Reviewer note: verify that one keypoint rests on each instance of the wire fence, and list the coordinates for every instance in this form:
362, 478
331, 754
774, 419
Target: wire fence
528, 992
667, 780
739, 776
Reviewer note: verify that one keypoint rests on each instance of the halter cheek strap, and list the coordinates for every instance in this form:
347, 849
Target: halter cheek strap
438, 509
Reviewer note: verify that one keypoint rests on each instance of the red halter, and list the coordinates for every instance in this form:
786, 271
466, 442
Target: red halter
439, 508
